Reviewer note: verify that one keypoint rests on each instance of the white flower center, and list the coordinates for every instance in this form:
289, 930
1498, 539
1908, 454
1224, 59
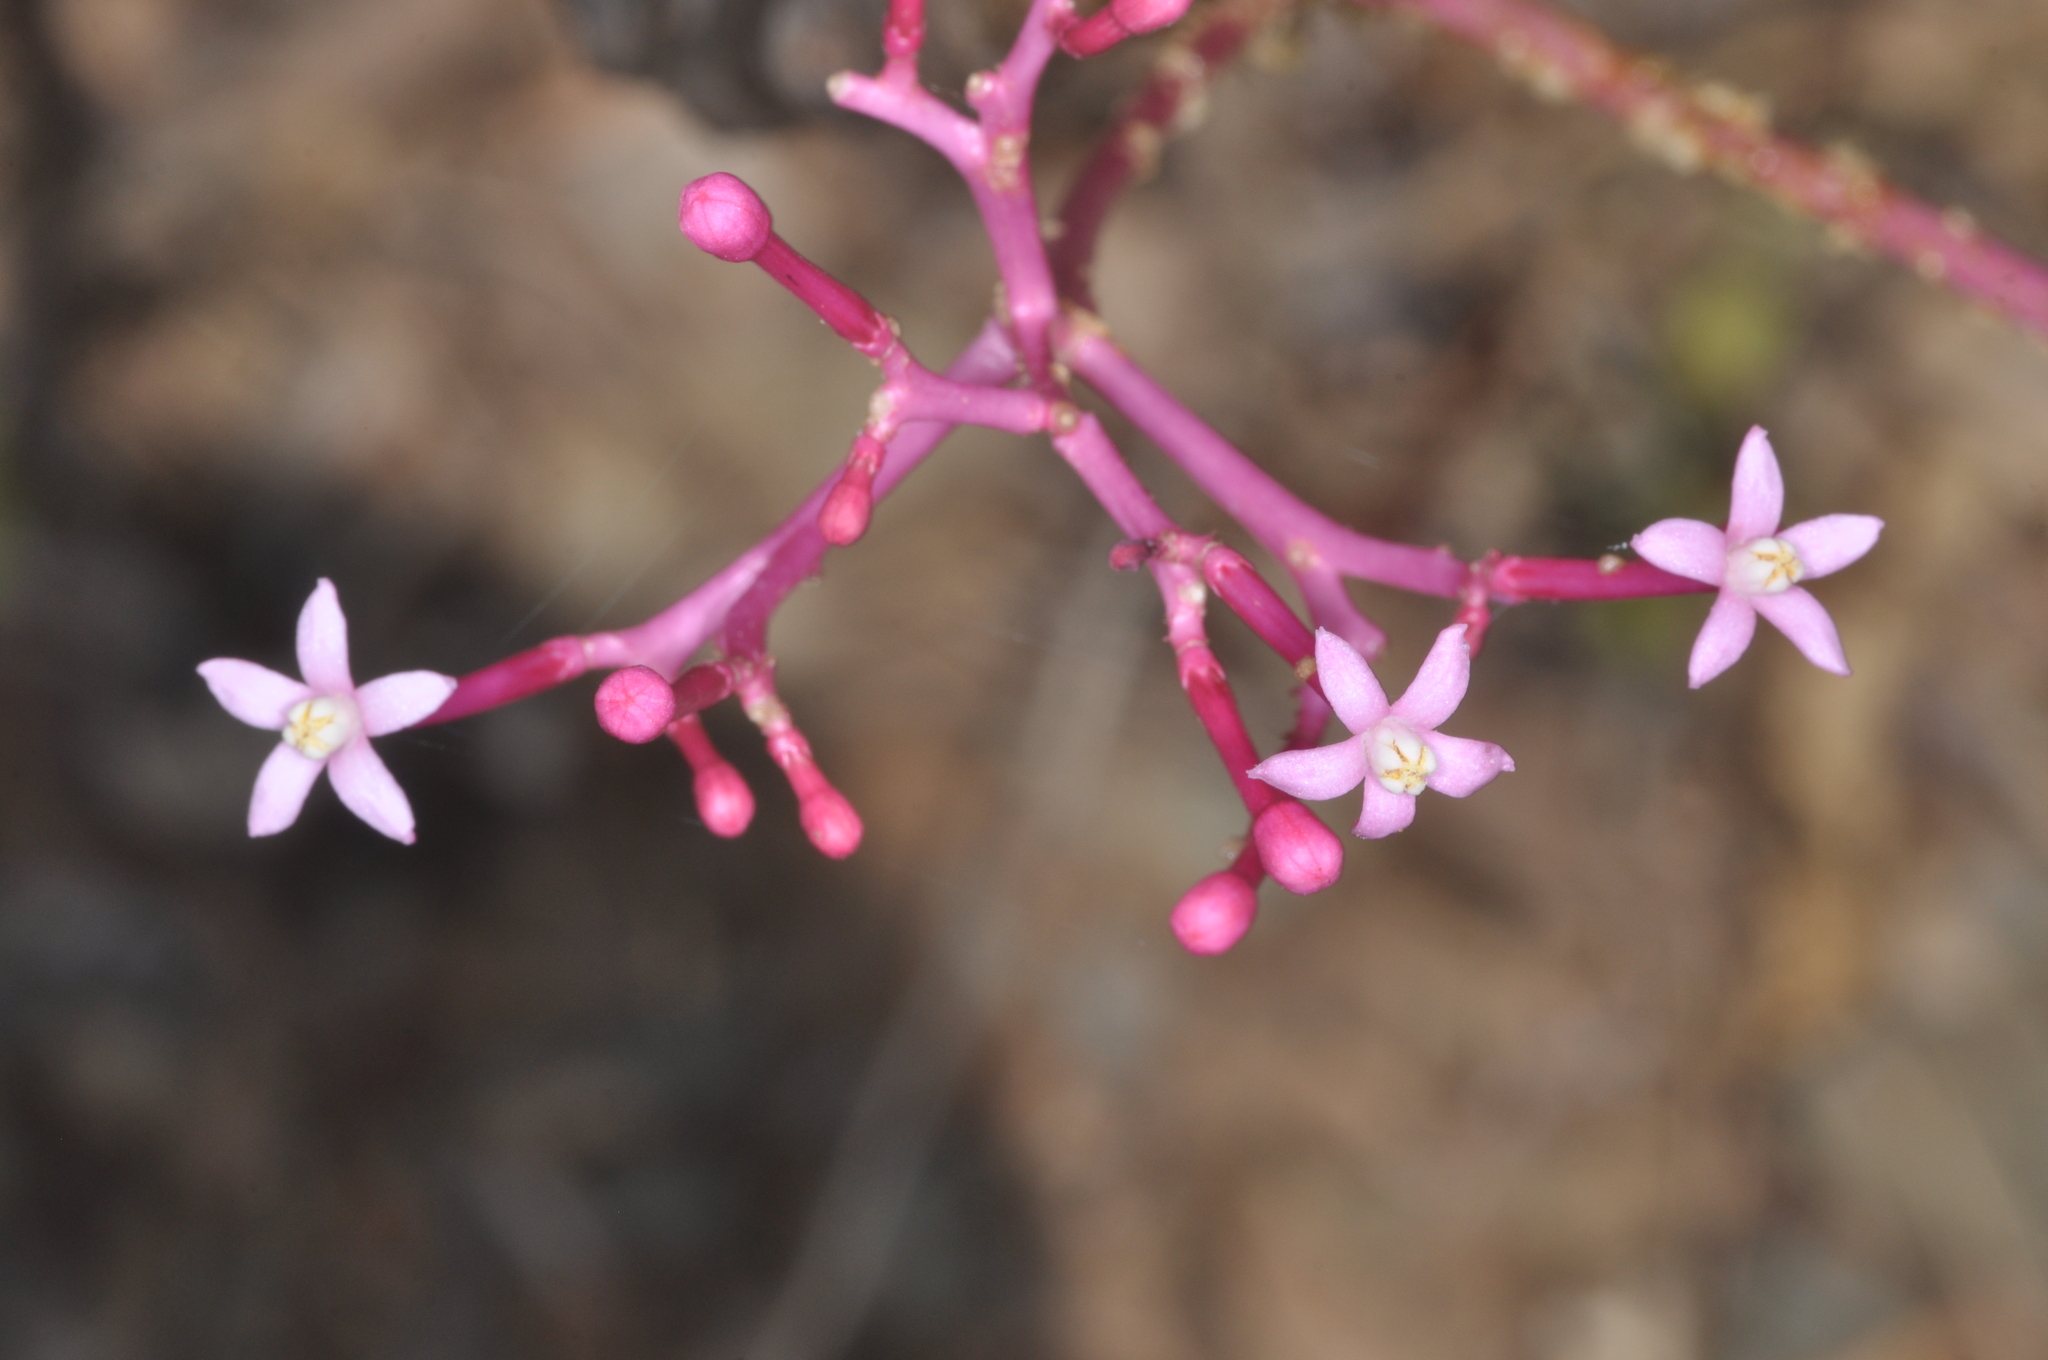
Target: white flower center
320, 726
1764, 566
1399, 757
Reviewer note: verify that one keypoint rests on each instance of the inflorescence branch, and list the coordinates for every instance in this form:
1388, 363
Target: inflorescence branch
1017, 376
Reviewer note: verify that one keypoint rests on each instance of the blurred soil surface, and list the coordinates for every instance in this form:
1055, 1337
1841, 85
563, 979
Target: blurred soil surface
1718, 1031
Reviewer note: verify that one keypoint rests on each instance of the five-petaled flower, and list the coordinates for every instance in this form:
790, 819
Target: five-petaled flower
1394, 749
1758, 566
326, 722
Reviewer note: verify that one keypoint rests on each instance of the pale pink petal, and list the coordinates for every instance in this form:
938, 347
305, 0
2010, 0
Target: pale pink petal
1833, 541
1723, 638
1384, 813
1323, 772
1439, 687
1348, 683
323, 641
281, 788
1803, 619
256, 694
401, 700
1685, 547
1758, 498
368, 790
1464, 765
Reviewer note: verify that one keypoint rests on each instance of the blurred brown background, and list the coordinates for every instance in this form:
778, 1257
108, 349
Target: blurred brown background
1714, 1033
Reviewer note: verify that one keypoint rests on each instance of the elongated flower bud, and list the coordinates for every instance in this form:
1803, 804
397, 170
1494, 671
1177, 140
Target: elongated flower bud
1301, 854
1118, 20
702, 686
844, 516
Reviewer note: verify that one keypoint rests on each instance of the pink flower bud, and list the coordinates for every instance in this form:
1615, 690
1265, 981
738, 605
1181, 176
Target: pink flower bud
700, 687
830, 821
844, 516
1118, 20
1143, 16
723, 799
1301, 854
1215, 913
723, 217
635, 704
1130, 555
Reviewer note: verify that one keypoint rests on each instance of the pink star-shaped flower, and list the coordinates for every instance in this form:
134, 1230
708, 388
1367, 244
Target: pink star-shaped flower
326, 723
1757, 567
1394, 749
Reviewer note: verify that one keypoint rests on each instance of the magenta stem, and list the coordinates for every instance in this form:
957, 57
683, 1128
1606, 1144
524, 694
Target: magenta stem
1130, 149
1088, 450
1282, 524
1514, 579
1207, 688
854, 318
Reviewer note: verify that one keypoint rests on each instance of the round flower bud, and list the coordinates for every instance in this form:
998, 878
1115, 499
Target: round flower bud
635, 704
830, 821
723, 217
1215, 914
723, 799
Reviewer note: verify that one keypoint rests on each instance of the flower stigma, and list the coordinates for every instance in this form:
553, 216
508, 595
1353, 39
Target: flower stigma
1765, 566
1401, 760
322, 725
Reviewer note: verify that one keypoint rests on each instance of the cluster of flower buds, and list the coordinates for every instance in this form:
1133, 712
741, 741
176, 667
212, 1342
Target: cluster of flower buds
1018, 376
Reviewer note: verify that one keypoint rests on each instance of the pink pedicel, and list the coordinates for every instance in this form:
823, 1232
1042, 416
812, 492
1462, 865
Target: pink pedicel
1757, 566
1394, 750
635, 704
723, 217
325, 722
1215, 914
1301, 854
723, 799
1118, 20
845, 516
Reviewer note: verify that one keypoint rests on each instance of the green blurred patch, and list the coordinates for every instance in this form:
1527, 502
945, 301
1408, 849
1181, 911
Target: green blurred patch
1729, 328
